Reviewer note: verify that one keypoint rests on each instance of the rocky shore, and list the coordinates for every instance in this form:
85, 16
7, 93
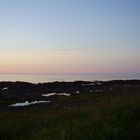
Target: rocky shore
20, 94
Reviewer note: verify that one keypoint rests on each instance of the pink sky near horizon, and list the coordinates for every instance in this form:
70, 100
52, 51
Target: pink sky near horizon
65, 62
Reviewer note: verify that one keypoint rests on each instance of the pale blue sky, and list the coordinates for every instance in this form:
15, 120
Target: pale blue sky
69, 36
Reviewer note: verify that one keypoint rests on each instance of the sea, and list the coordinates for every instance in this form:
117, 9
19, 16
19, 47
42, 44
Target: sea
39, 78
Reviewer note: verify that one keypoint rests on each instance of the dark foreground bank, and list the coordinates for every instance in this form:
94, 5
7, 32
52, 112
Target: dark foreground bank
75, 111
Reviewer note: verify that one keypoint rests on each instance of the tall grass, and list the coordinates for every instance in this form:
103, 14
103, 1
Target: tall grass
84, 117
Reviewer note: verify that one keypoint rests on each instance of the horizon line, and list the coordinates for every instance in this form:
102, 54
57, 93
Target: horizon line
69, 73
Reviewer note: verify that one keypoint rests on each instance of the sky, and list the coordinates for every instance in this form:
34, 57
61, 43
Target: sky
69, 36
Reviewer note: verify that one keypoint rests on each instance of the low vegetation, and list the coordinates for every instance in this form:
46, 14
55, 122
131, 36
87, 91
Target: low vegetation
107, 115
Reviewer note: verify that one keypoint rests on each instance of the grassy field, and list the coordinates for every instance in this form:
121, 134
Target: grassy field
108, 115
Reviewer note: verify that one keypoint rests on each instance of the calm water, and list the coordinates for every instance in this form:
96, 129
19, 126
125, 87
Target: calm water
52, 78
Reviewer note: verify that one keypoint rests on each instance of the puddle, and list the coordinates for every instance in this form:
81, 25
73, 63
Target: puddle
57, 94
5, 88
26, 103
77, 92
90, 84
50, 94
63, 94
99, 83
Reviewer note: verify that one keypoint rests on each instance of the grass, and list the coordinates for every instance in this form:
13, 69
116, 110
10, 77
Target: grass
102, 116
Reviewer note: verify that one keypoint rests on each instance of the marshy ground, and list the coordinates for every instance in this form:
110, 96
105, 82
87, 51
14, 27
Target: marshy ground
75, 111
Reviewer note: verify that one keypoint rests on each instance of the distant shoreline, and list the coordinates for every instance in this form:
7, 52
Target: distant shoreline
89, 81
68, 78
